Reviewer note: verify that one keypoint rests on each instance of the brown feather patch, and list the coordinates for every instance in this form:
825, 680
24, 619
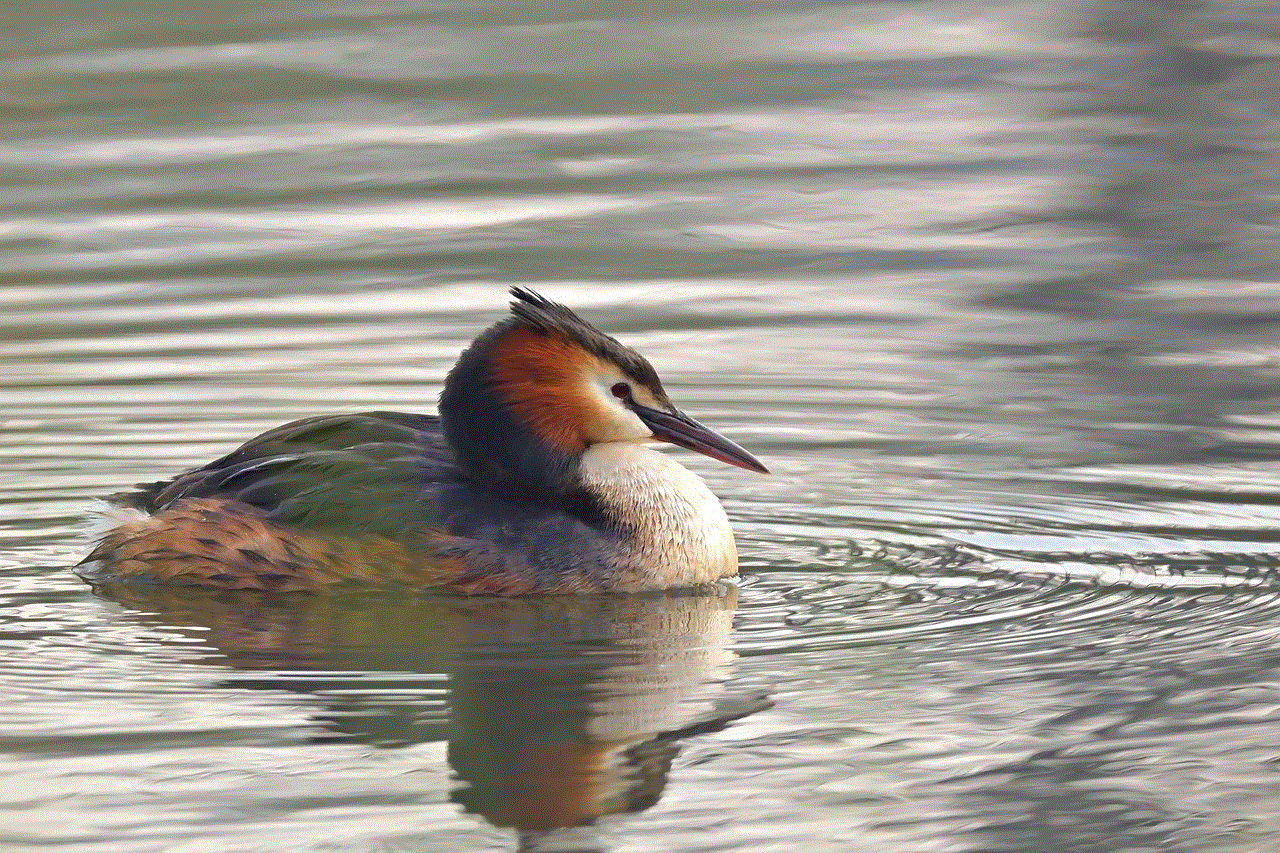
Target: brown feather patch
226, 544
539, 376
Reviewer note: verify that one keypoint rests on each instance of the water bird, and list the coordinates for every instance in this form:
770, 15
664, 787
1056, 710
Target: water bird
536, 477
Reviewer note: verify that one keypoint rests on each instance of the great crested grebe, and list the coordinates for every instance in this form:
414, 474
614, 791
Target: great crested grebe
533, 479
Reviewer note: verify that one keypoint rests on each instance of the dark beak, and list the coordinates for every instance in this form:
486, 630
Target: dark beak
679, 428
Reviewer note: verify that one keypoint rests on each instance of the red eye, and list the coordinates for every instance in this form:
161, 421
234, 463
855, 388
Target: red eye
621, 390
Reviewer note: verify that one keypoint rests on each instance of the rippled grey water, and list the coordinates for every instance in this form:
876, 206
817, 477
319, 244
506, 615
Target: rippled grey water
990, 287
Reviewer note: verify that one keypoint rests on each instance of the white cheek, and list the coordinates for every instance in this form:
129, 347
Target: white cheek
613, 421
621, 424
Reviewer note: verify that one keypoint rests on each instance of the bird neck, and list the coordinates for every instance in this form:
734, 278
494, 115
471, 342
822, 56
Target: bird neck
679, 534
491, 444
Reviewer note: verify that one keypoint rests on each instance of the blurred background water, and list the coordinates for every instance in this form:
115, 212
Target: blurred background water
992, 288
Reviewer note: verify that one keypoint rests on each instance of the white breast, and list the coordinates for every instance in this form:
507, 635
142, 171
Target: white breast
683, 537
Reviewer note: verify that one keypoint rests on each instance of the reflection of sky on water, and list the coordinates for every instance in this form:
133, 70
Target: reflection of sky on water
1180, 326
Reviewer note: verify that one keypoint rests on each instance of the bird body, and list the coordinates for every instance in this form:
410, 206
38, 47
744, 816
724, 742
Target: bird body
535, 478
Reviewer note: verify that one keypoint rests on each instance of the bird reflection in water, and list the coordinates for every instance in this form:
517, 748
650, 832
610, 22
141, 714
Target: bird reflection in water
560, 710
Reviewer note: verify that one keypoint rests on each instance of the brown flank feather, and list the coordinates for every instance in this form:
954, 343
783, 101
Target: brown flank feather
226, 544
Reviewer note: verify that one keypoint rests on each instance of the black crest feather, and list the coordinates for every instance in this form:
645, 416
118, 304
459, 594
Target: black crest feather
537, 311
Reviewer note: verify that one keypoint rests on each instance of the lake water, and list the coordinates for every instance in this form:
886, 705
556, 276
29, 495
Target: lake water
992, 288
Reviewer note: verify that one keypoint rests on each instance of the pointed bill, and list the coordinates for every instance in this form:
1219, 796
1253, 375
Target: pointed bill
679, 428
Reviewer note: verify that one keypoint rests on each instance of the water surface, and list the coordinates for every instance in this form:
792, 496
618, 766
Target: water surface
990, 287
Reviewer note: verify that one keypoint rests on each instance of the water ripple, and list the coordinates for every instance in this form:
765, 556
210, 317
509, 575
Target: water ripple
995, 301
